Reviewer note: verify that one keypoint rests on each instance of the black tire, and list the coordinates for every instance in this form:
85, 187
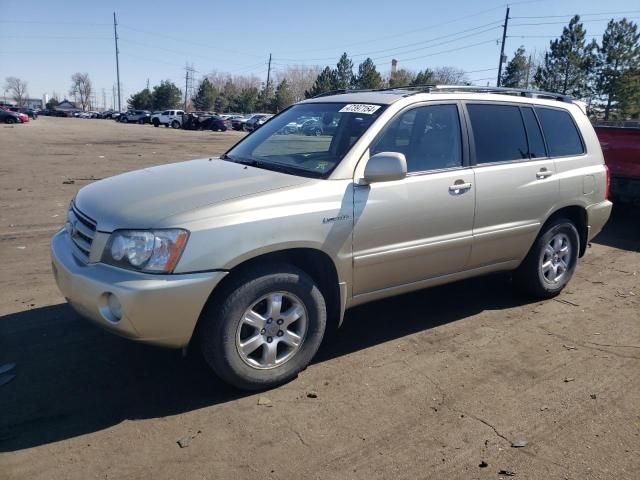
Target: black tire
220, 321
175, 124
10, 120
223, 129
156, 122
530, 279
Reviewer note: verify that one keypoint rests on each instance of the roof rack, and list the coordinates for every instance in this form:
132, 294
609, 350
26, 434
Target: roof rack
432, 88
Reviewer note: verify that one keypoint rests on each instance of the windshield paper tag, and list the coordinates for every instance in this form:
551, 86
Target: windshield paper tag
359, 108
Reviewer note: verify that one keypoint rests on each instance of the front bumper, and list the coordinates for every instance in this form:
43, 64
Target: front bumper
597, 216
157, 309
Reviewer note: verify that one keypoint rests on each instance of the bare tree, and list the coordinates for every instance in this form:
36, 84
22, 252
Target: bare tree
17, 88
299, 79
81, 88
449, 76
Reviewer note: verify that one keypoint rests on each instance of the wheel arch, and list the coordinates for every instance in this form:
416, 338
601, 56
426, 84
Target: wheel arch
578, 215
315, 263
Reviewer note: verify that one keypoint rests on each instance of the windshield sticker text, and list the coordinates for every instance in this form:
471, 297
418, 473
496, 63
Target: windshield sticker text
359, 108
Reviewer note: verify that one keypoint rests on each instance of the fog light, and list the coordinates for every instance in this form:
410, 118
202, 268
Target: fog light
114, 306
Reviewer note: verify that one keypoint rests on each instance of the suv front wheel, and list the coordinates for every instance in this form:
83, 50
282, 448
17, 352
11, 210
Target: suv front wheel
264, 328
550, 263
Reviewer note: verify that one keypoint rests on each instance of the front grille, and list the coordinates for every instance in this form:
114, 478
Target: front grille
82, 229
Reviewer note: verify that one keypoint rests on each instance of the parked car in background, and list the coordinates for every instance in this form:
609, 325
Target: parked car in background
238, 122
621, 149
136, 116
317, 126
30, 112
256, 122
168, 118
216, 123
7, 116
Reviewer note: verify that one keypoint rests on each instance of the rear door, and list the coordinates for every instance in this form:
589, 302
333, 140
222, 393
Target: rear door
516, 181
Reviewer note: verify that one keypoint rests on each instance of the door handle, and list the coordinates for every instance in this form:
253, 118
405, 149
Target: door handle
543, 173
460, 187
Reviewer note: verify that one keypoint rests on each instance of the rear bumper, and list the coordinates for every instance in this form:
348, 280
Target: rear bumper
597, 216
157, 309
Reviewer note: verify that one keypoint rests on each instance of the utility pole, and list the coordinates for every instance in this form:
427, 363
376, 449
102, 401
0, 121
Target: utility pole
186, 87
147, 84
269, 72
113, 97
528, 72
115, 36
504, 37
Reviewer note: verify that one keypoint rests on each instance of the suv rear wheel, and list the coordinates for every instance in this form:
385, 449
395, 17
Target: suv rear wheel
175, 124
550, 263
264, 328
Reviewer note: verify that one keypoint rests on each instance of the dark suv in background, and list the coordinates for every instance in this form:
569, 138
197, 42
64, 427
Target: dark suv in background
136, 116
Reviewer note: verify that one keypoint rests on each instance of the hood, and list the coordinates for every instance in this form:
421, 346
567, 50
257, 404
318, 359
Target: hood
140, 199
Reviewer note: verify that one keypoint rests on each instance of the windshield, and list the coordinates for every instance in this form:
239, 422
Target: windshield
307, 139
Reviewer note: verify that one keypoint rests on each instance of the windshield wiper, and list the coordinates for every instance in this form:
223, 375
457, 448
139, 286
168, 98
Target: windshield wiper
278, 167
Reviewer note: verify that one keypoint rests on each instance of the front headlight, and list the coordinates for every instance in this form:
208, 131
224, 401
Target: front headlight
153, 251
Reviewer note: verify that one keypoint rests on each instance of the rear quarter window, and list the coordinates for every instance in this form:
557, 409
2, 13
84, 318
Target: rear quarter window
560, 131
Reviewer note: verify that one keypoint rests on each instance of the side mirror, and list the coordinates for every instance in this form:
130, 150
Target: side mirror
385, 167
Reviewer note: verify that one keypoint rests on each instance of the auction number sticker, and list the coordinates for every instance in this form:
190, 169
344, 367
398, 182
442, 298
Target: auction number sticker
359, 108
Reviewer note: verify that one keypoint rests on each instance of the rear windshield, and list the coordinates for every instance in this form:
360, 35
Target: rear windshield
308, 139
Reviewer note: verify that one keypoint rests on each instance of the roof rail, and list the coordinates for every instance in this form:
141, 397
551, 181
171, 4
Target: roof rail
521, 92
432, 88
342, 91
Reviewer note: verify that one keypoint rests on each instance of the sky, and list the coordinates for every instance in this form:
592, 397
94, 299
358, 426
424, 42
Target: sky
45, 41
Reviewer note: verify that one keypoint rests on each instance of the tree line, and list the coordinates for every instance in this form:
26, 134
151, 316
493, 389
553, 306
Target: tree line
605, 74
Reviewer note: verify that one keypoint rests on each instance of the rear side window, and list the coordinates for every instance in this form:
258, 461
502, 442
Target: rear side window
498, 133
560, 132
536, 143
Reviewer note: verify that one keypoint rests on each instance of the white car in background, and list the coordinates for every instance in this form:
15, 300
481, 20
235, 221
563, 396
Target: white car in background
168, 118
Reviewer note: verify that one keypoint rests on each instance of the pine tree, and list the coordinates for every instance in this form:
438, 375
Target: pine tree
266, 100
628, 94
142, 100
206, 96
424, 78
344, 72
619, 53
368, 77
569, 64
283, 97
325, 82
516, 73
166, 95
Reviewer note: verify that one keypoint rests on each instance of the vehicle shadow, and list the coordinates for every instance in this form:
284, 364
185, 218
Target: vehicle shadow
623, 228
72, 378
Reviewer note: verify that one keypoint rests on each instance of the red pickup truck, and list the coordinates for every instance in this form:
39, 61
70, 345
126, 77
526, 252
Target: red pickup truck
621, 149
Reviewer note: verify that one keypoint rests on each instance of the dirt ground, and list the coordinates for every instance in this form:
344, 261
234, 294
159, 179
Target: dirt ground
428, 385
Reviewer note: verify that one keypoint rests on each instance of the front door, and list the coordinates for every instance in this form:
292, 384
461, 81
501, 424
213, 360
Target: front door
419, 227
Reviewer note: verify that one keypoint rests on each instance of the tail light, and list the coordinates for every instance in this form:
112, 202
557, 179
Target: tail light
608, 185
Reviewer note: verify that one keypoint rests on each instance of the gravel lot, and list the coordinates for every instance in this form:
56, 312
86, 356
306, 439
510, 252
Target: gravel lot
428, 385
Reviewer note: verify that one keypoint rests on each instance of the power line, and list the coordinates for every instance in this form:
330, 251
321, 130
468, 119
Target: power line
398, 47
593, 20
427, 27
581, 14
177, 39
